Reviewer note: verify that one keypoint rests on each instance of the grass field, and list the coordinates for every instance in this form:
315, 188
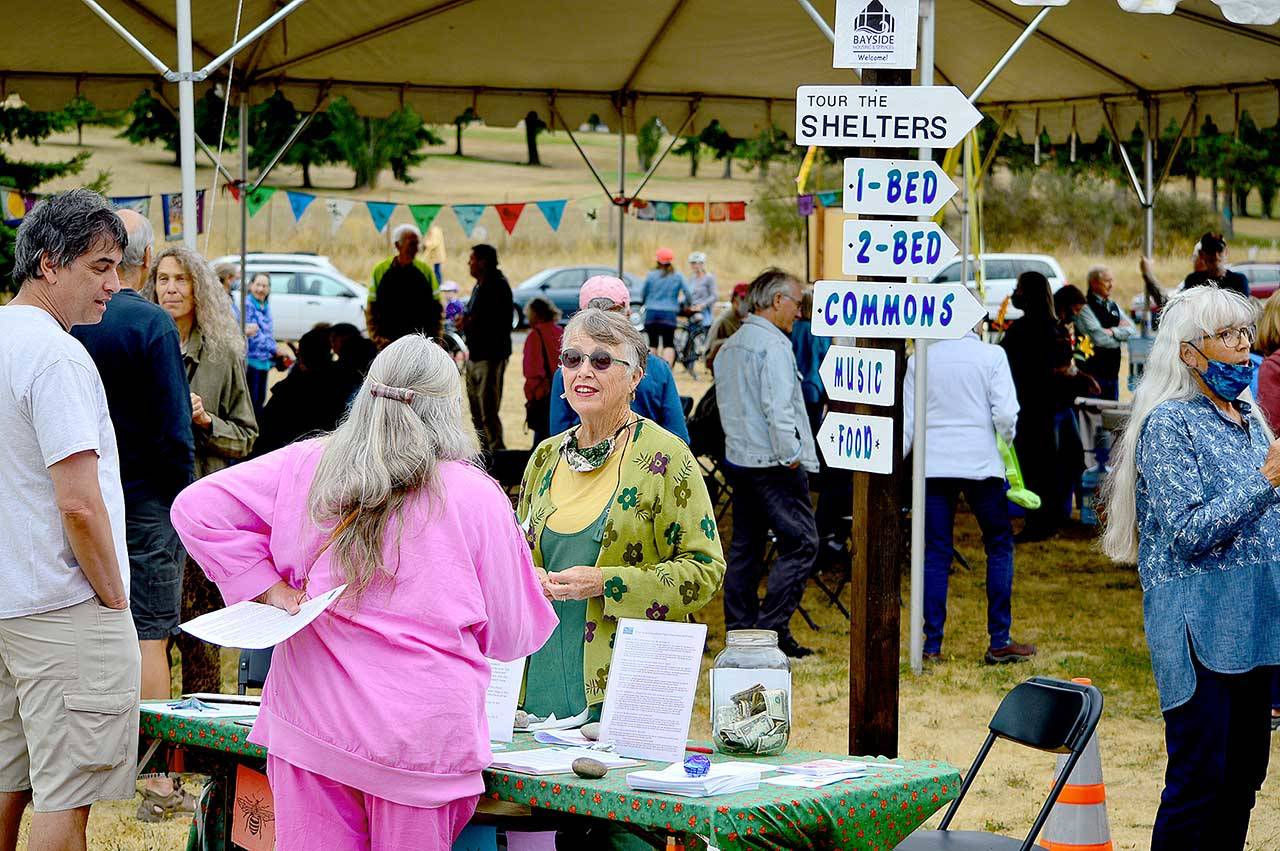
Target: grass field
1083, 612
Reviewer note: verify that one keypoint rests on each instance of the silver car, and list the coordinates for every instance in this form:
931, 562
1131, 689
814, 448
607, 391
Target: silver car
1000, 275
306, 290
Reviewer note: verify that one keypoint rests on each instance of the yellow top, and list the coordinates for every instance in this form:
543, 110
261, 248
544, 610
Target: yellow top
581, 497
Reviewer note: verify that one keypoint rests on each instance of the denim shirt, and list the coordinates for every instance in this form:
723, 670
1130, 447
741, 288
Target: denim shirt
262, 346
761, 404
661, 297
1208, 545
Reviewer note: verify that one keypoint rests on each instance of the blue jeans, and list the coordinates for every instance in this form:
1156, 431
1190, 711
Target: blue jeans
1218, 744
986, 498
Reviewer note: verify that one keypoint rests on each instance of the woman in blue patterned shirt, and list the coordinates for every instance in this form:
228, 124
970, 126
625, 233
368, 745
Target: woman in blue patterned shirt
1193, 500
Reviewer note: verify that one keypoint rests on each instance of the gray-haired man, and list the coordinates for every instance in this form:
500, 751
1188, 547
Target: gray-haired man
404, 293
769, 448
69, 664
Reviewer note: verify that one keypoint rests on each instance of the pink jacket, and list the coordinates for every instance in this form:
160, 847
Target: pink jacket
388, 697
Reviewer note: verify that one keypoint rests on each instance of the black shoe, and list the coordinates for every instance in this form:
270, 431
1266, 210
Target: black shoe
792, 648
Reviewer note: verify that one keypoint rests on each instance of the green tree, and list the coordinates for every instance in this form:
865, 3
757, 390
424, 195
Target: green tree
691, 147
372, 145
273, 120
81, 112
151, 121
726, 147
533, 125
648, 137
468, 116
772, 143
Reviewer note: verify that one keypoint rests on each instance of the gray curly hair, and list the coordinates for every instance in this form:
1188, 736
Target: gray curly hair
214, 318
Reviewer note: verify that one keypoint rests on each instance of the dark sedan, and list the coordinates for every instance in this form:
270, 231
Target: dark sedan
560, 286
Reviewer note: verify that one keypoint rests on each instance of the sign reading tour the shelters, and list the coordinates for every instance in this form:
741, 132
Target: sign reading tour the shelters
883, 116
876, 33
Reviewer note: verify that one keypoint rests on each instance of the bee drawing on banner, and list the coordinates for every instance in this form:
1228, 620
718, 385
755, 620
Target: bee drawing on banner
256, 813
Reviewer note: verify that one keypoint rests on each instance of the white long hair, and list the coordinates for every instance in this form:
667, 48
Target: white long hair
1186, 317
385, 450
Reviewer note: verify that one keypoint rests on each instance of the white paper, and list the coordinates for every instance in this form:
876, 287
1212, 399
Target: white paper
563, 737
802, 782
652, 680
501, 698
555, 760
256, 626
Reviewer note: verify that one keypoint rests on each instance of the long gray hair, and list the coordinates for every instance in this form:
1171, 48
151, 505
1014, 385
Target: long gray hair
386, 450
217, 325
1185, 319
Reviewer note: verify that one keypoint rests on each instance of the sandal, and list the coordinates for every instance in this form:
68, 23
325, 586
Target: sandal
155, 807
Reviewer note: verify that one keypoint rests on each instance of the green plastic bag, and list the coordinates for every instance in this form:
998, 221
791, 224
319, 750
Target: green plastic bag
1018, 493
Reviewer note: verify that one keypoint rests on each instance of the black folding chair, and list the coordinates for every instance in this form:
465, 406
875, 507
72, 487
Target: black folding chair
1042, 713
254, 665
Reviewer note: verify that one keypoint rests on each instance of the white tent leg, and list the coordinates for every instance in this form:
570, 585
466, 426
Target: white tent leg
622, 183
244, 203
928, 11
1148, 178
186, 125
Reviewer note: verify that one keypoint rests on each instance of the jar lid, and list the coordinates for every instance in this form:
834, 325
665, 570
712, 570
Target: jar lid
751, 638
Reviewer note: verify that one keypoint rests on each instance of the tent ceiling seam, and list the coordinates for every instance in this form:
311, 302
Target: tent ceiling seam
1228, 26
653, 43
138, 8
1059, 44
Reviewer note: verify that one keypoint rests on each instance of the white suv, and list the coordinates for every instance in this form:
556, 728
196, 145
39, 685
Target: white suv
1000, 276
306, 289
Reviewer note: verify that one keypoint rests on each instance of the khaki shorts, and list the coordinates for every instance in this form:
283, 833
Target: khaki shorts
69, 682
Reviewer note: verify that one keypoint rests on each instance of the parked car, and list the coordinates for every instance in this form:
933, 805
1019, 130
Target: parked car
306, 290
1000, 276
297, 258
560, 285
1264, 278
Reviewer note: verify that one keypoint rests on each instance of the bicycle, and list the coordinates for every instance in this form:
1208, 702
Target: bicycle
691, 343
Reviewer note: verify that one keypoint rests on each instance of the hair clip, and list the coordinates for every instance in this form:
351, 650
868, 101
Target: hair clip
399, 394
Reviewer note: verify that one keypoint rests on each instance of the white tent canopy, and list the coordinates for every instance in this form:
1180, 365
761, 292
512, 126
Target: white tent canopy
738, 61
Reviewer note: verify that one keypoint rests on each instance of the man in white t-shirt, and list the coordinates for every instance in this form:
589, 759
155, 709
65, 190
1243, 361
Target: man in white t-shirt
69, 661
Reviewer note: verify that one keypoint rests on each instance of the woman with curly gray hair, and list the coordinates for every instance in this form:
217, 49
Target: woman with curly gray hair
222, 420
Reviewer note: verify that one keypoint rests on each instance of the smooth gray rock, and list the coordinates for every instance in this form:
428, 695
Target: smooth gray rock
589, 769
591, 731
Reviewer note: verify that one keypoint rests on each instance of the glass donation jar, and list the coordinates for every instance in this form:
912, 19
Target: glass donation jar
751, 695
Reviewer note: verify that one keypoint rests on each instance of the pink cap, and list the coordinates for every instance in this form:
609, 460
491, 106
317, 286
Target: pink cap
665, 255
604, 286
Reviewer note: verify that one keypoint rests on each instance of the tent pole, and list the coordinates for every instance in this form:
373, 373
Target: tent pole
621, 203
133, 42
1009, 54
1124, 156
558, 117
1148, 173
928, 11
187, 126
662, 156
284, 149
244, 203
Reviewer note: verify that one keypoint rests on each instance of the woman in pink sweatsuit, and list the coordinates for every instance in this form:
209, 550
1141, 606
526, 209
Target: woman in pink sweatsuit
374, 715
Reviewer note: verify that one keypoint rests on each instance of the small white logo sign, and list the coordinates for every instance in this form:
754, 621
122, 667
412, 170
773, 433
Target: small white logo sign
876, 33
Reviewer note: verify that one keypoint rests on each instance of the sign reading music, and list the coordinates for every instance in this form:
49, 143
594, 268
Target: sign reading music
894, 311
858, 375
888, 116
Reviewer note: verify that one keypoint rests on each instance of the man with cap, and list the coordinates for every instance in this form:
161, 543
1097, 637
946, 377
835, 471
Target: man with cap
728, 322
656, 395
1211, 254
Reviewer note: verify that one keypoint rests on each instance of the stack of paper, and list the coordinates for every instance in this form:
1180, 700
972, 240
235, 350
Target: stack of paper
555, 760
724, 778
823, 772
563, 737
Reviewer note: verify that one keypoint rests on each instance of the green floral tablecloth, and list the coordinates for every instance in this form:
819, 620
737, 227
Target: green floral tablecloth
873, 813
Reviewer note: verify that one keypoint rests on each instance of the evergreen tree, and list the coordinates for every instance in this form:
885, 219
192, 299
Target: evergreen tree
648, 137
151, 120
726, 147
373, 145
271, 123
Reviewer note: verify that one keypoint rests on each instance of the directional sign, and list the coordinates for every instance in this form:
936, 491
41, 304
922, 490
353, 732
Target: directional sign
853, 374
895, 187
897, 249
894, 311
853, 442
889, 116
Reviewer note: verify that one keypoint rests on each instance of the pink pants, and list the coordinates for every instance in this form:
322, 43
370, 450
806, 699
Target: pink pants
312, 811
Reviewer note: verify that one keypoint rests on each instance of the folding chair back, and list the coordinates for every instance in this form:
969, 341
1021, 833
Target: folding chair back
254, 665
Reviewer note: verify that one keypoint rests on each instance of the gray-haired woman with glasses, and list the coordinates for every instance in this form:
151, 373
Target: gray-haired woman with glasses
618, 518
1193, 500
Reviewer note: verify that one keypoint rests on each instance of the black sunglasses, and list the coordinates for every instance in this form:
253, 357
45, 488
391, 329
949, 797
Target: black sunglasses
600, 359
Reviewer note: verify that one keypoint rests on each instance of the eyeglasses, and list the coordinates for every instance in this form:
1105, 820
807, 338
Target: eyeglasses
1233, 338
600, 359
791, 297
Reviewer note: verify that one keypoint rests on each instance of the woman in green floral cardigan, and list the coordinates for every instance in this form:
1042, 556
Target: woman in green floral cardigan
618, 518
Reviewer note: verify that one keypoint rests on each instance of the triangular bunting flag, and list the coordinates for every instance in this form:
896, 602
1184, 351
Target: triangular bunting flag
424, 215
380, 212
553, 212
338, 209
258, 198
298, 203
234, 190
468, 215
804, 205
828, 199
510, 214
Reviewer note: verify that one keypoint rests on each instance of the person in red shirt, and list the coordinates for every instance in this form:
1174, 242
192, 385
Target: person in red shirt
541, 354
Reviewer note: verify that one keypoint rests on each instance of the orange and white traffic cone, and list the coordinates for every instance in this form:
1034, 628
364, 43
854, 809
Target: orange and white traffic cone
1078, 821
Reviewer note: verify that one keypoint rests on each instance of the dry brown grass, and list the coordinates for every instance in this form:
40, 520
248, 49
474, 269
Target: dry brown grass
1083, 612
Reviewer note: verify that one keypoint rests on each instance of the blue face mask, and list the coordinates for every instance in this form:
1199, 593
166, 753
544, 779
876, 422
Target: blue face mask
1228, 380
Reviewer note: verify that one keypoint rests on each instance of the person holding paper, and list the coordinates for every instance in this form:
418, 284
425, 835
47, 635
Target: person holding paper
374, 714
617, 515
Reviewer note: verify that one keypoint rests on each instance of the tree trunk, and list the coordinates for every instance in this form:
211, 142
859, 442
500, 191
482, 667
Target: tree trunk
79, 135
1228, 208
531, 142
728, 167
693, 165
1213, 193
306, 174
1192, 177
457, 152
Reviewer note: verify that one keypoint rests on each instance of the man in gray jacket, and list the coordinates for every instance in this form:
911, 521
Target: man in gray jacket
770, 451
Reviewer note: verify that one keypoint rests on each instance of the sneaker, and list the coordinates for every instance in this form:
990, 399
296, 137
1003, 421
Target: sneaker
793, 648
1011, 652
931, 658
